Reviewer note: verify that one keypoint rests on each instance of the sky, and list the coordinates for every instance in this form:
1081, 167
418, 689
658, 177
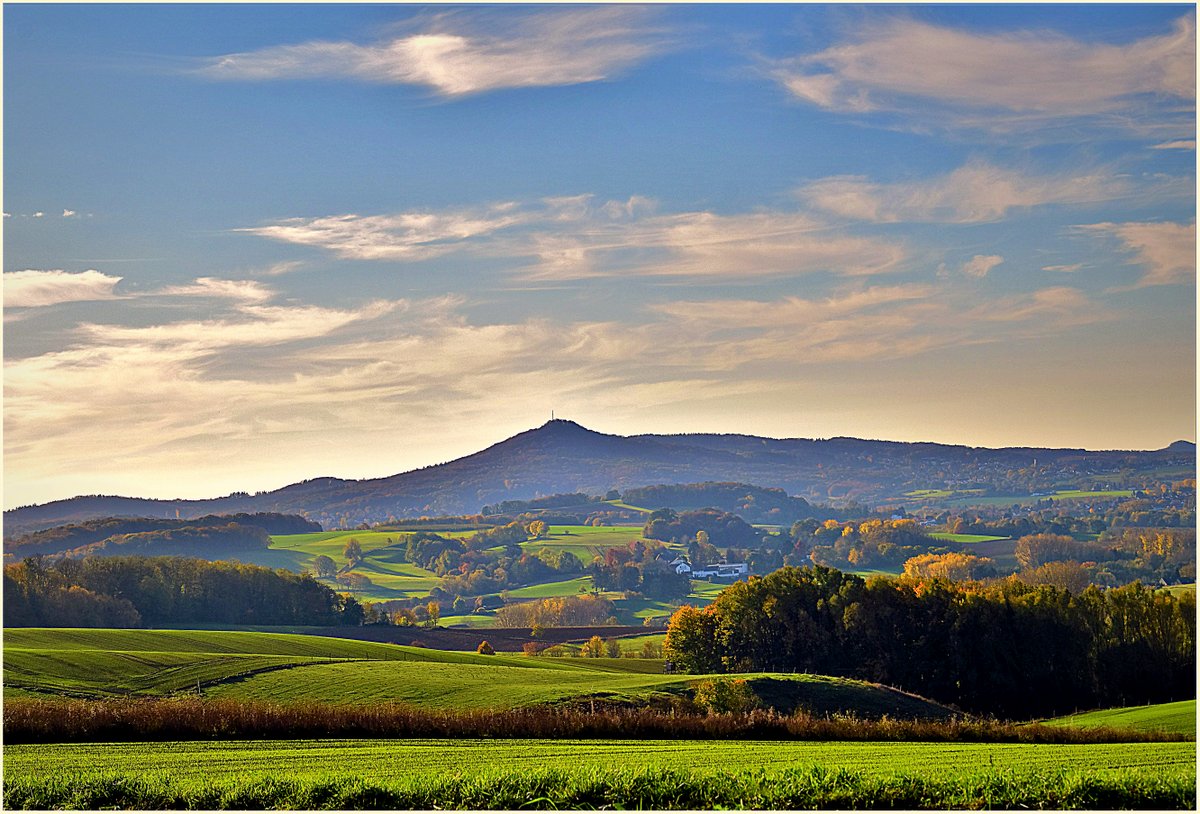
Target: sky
246, 245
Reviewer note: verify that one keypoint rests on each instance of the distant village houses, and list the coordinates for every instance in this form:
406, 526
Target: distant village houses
720, 570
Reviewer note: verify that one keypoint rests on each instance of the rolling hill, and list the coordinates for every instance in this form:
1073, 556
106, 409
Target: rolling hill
562, 456
99, 663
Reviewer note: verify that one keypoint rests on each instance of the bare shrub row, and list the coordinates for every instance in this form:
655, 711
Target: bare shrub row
194, 718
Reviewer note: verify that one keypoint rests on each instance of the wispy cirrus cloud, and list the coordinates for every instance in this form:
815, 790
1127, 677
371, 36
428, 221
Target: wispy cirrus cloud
1165, 250
33, 288
974, 193
871, 324
246, 291
574, 238
935, 76
404, 236
1179, 144
457, 55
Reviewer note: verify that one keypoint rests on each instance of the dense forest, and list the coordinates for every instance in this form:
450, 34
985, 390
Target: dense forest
754, 504
1006, 649
149, 591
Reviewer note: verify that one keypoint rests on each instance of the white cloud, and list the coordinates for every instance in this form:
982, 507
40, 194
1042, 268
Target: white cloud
1066, 269
247, 291
572, 238
1006, 81
252, 325
979, 265
39, 214
1181, 144
1167, 251
32, 288
68, 213
974, 193
458, 56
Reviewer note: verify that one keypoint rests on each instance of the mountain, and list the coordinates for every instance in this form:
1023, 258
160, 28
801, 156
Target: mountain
562, 456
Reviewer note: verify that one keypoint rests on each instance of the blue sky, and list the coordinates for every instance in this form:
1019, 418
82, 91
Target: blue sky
250, 244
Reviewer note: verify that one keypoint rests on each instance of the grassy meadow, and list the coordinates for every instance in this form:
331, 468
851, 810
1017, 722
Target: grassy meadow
1179, 716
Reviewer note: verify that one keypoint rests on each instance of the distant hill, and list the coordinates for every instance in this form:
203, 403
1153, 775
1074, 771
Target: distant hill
209, 537
563, 457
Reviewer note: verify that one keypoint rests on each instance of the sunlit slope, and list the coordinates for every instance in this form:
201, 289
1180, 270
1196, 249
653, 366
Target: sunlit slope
1179, 716
97, 662
287, 667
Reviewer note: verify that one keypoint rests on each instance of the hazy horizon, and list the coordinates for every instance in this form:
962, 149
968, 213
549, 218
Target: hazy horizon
248, 245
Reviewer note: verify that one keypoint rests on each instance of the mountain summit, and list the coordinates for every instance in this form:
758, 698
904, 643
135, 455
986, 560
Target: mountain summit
563, 456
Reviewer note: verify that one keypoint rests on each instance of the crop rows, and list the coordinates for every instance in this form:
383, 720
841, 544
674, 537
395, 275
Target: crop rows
636, 788
391, 759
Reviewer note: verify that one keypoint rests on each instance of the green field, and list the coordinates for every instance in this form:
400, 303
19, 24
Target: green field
1176, 590
392, 578
388, 759
597, 774
1179, 716
965, 538
568, 587
383, 561
1084, 494
623, 505
286, 667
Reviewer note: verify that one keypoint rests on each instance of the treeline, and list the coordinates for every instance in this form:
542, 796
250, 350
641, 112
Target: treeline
873, 543
755, 504
1007, 649
61, 539
560, 501
1118, 557
1058, 518
723, 528
149, 591
557, 611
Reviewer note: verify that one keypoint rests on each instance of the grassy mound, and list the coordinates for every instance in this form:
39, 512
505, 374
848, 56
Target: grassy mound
1179, 716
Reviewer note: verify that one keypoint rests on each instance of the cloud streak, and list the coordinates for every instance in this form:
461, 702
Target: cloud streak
975, 193
1006, 82
35, 288
456, 57
575, 239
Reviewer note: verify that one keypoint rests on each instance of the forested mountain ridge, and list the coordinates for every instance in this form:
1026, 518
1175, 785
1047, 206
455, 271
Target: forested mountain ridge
562, 456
